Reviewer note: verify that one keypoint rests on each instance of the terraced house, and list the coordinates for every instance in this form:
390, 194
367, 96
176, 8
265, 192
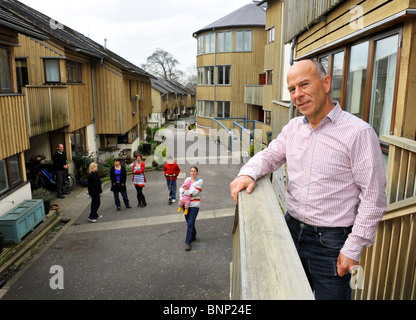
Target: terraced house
74, 91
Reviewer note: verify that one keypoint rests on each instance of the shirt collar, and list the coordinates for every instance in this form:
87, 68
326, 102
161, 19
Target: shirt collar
333, 115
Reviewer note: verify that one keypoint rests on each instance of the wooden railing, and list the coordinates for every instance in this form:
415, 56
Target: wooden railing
47, 108
388, 267
265, 262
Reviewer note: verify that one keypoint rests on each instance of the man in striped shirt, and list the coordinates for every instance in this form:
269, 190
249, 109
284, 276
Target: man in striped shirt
336, 181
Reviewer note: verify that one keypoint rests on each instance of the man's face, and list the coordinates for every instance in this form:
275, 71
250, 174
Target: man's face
308, 93
60, 148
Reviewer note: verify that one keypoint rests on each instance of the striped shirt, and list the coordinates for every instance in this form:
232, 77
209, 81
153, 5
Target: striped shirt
196, 194
336, 175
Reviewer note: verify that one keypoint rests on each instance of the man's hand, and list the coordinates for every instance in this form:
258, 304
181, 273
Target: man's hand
345, 265
240, 183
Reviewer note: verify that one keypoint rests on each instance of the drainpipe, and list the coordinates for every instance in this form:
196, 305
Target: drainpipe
292, 50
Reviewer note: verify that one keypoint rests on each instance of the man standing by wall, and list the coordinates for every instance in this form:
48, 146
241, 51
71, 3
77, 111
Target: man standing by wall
60, 166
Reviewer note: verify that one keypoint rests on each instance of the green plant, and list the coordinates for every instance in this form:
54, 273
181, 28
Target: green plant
43, 194
82, 160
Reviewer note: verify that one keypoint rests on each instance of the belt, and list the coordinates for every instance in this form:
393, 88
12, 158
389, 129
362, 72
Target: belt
318, 229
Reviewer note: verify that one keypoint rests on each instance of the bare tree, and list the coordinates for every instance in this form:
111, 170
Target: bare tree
163, 65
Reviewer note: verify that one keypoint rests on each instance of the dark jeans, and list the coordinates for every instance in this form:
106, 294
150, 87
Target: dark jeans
95, 204
60, 181
190, 221
140, 195
117, 198
318, 249
172, 193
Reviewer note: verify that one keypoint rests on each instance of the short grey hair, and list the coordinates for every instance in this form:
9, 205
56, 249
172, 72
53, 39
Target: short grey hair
320, 70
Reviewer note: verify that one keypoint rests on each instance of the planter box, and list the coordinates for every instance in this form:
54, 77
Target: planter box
21, 219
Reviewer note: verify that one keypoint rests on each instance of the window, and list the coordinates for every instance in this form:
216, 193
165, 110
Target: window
270, 35
210, 43
209, 75
267, 117
5, 75
224, 75
223, 109
382, 92
10, 173
78, 140
365, 84
200, 75
200, 44
21, 74
200, 108
209, 108
52, 71
243, 40
356, 78
73, 72
269, 76
224, 41
337, 75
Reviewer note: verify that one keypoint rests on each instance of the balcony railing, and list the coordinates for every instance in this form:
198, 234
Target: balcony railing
265, 265
253, 95
47, 108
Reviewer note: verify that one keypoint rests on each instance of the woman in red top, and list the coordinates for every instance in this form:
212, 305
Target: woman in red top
171, 170
139, 180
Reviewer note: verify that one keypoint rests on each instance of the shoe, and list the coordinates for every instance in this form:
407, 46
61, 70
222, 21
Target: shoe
118, 208
92, 220
128, 206
144, 205
179, 209
173, 200
60, 196
188, 247
186, 211
100, 216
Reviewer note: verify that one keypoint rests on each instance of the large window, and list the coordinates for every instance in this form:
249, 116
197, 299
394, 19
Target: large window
200, 44
209, 75
357, 76
365, 83
10, 173
243, 40
382, 92
224, 75
5, 75
209, 108
223, 109
210, 43
52, 71
200, 75
224, 41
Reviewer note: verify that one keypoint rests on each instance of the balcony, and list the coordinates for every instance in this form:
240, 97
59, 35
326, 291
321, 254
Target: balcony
47, 108
253, 95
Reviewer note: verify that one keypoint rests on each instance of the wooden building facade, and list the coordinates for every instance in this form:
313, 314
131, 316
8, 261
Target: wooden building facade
66, 88
230, 56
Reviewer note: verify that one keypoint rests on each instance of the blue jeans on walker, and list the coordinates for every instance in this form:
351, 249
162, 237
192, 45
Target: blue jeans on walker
190, 221
318, 249
172, 193
117, 198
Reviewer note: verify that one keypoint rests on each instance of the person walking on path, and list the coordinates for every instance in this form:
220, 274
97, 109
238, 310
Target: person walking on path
171, 171
336, 181
196, 185
94, 190
118, 177
60, 166
139, 180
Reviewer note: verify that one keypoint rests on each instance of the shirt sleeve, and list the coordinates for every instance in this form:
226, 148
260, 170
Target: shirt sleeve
369, 175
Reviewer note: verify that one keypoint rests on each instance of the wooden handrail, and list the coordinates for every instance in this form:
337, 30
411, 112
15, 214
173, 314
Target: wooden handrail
265, 264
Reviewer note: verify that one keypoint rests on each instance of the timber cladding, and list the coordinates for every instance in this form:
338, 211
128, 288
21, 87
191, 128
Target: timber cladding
345, 20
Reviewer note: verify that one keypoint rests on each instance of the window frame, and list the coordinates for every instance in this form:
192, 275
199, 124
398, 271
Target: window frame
9, 181
11, 78
76, 66
224, 68
59, 70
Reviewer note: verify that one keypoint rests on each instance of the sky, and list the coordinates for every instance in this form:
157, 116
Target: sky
134, 29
